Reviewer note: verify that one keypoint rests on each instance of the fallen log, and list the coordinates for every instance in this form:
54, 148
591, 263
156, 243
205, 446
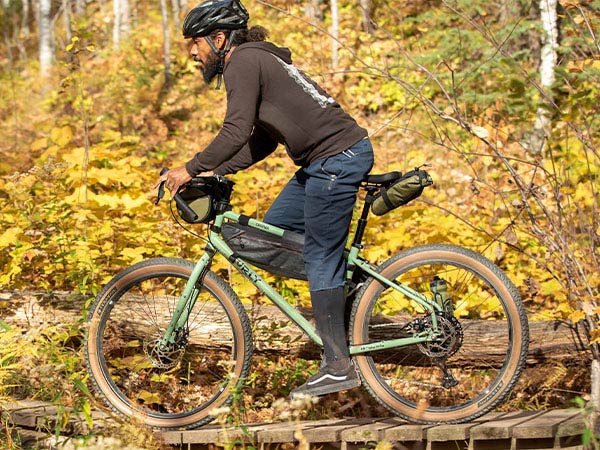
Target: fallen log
274, 334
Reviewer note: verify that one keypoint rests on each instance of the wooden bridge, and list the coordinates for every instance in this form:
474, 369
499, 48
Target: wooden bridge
555, 429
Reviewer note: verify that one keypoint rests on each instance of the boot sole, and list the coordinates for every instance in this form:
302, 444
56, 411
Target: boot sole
323, 390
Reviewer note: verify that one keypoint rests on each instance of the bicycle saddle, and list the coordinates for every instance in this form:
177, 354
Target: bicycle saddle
383, 178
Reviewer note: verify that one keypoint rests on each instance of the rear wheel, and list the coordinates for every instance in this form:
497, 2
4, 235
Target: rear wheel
170, 388
478, 355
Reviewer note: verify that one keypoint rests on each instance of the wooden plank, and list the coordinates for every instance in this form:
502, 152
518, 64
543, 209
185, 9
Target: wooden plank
277, 433
332, 433
242, 434
407, 432
574, 426
544, 425
501, 428
205, 435
371, 432
312, 431
460, 431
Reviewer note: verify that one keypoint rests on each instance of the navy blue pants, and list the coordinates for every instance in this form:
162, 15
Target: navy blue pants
318, 202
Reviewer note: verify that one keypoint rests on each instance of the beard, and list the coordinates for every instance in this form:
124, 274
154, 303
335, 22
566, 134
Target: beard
211, 68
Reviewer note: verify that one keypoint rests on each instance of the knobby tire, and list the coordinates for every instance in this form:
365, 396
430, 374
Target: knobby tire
179, 388
483, 346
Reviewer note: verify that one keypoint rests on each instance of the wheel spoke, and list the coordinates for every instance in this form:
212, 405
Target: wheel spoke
179, 385
470, 364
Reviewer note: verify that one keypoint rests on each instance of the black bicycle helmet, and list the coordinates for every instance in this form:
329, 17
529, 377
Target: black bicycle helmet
213, 15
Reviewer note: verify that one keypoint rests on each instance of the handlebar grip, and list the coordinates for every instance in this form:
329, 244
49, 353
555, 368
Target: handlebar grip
161, 187
185, 209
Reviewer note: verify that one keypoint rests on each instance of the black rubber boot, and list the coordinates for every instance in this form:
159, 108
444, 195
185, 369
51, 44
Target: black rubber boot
338, 372
329, 309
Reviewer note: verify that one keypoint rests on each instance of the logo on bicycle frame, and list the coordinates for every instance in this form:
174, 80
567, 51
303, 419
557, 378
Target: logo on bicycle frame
246, 271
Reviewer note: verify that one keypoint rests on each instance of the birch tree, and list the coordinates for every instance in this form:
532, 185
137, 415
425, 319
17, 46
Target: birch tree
313, 11
335, 33
166, 43
122, 21
548, 59
66, 7
365, 6
176, 6
46, 36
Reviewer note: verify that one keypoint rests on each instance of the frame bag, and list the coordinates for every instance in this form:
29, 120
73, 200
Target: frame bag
407, 188
277, 255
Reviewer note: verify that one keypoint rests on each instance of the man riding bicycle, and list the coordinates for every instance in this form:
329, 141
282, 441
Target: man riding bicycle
271, 102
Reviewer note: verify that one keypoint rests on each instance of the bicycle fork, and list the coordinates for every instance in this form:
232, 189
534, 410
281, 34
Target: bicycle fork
186, 301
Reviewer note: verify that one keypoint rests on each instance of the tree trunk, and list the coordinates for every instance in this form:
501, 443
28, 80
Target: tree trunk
166, 44
122, 24
6, 31
116, 24
21, 32
66, 6
365, 6
543, 122
176, 14
335, 33
46, 37
550, 341
313, 10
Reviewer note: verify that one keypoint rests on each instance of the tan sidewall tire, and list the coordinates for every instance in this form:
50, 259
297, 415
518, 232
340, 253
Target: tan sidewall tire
105, 387
472, 410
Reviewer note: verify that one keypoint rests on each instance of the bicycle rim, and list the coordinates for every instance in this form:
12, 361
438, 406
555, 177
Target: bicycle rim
170, 389
479, 354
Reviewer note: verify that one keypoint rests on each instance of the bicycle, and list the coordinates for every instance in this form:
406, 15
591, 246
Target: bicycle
169, 341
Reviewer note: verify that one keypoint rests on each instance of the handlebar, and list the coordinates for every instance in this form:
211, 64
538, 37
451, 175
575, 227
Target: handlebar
181, 204
161, 187
212, 180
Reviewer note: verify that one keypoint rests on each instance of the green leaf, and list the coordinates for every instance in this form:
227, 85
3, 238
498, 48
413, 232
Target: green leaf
82, 387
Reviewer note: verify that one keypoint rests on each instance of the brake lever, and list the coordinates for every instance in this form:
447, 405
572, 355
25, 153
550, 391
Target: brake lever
161, 187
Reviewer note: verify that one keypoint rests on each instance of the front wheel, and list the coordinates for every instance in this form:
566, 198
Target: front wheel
481, 345
170, 388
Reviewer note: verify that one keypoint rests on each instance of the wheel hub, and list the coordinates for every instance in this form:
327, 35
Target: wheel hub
449, 339
160, 357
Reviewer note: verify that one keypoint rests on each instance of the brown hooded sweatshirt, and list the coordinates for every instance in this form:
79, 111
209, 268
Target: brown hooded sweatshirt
270, 101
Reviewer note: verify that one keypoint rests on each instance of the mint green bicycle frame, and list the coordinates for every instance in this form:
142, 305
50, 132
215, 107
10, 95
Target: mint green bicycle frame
216, 244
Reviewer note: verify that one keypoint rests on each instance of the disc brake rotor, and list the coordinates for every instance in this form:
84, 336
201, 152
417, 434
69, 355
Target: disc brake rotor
448, 341
160, 358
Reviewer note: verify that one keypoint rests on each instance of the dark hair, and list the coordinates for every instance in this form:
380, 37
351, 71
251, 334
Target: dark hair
243, 35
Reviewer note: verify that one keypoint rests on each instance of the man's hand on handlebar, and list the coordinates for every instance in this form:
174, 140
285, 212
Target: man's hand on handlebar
173, 179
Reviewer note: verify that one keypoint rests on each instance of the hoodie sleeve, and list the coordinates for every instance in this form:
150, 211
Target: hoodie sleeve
260, 145
242, 80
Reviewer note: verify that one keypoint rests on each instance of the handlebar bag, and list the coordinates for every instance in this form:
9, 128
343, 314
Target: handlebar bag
201, 200
278, 255
408, 187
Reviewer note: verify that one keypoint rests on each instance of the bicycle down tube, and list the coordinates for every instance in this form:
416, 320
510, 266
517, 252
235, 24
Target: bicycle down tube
217, 245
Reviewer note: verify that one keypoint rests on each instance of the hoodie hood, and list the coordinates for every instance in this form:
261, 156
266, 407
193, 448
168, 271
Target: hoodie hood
281, 52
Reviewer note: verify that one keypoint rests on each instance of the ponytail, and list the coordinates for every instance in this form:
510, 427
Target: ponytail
243, 35
257, 34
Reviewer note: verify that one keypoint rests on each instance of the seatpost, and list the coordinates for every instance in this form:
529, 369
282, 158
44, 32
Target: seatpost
364, 217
